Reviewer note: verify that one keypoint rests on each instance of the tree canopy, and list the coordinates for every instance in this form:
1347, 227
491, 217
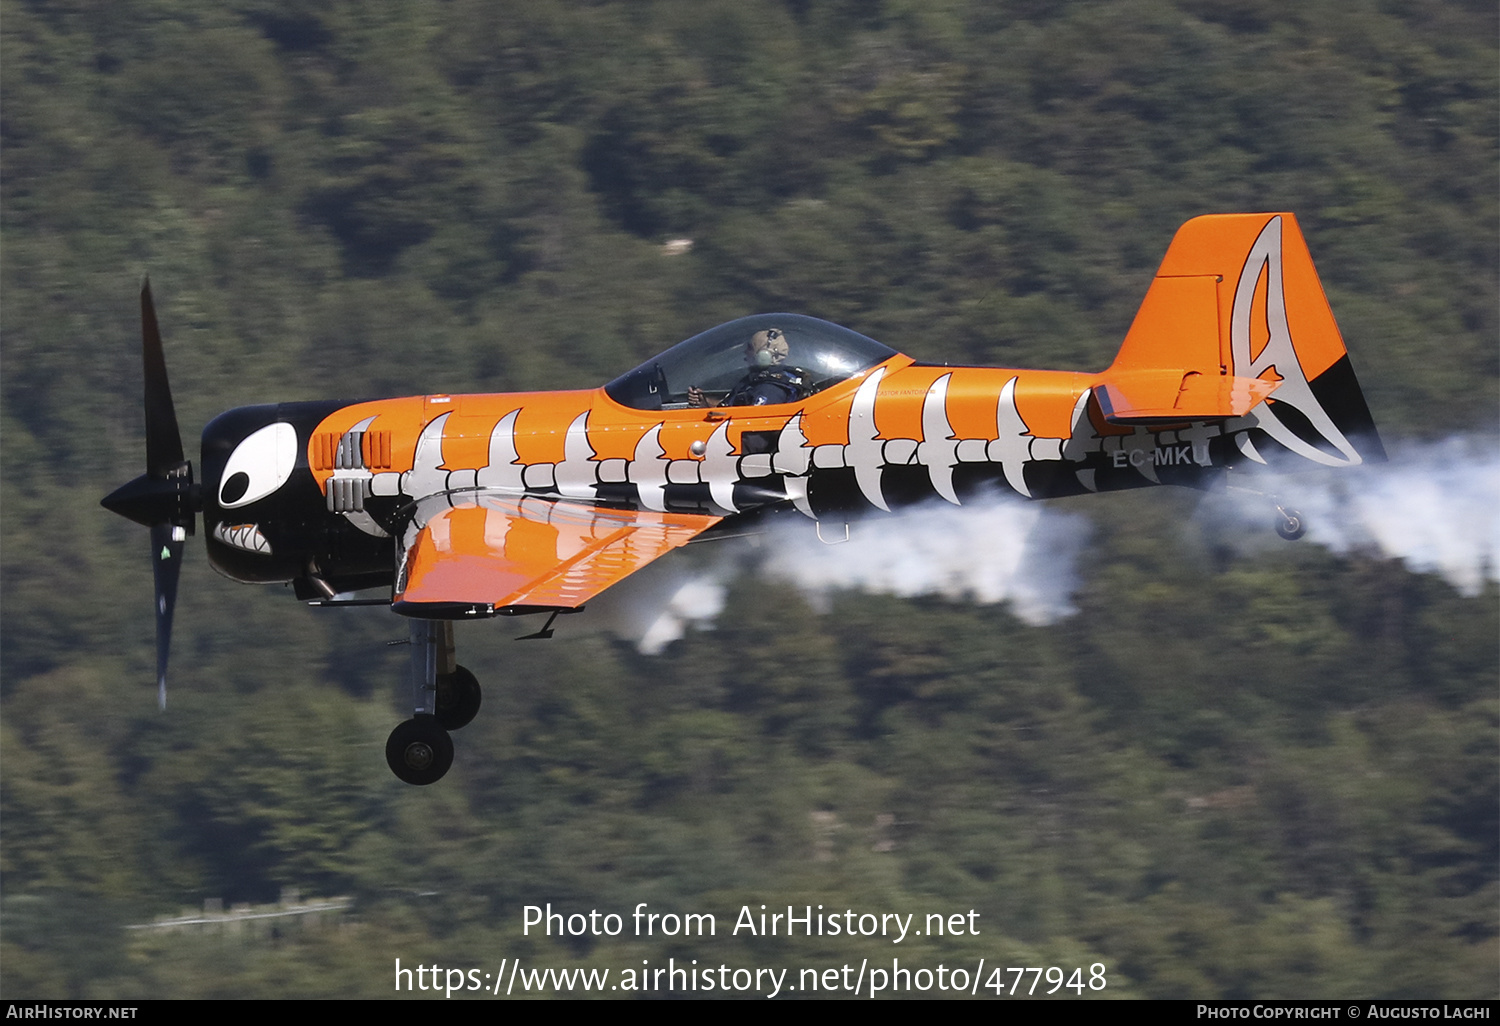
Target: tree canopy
1237, 775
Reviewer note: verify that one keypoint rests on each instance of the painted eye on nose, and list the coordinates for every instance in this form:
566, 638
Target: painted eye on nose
259, 465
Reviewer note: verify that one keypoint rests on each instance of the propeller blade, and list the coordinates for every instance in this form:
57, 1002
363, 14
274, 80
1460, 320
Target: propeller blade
164, 498
166, 564
163, 441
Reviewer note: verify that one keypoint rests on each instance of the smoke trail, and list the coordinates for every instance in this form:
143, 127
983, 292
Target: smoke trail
994, 550
697, 602
656, 606
991, 551
1433, 506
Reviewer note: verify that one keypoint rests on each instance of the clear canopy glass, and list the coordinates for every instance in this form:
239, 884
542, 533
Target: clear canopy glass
789, 355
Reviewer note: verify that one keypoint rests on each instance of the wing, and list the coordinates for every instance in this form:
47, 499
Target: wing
475, 554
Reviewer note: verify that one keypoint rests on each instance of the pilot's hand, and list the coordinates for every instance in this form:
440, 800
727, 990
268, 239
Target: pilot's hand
696, 396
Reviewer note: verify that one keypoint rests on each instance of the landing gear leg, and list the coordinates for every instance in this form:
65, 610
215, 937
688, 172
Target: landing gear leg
420, 751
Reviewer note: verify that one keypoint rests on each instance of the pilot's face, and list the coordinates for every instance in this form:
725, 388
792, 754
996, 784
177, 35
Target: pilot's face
767, 348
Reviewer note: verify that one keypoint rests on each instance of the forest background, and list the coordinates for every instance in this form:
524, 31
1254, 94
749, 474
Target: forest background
1259, 770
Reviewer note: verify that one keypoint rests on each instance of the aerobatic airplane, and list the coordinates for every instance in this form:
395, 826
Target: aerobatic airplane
462, 507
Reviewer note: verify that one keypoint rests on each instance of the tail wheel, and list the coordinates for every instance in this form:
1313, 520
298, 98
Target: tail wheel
419, 751
458, 698
1290, 525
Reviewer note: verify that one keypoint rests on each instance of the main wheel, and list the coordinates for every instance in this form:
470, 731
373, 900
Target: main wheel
458, 698
419, 751
1290, 525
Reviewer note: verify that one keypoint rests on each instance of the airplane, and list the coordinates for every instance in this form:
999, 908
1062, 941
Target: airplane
464, 507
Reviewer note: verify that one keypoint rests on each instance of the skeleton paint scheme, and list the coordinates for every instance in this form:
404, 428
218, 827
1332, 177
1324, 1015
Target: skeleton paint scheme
871, 430
458, 506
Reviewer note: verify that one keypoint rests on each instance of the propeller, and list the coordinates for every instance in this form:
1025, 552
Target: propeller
164, 498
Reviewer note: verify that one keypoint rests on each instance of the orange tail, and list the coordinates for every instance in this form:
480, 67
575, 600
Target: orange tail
1236, 328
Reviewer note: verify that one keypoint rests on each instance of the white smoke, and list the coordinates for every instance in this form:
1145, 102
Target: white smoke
1433, 506
696, 602
994, 550
657, 605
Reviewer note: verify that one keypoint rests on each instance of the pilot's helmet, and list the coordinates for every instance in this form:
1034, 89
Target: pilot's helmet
767, 348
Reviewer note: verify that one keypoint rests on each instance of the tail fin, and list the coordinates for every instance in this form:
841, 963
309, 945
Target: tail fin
1236, 328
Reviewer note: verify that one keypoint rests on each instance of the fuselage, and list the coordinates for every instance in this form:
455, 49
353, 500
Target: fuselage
890, 436
1233, 358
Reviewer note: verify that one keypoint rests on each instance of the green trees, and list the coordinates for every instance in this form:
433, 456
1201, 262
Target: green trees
1227, 774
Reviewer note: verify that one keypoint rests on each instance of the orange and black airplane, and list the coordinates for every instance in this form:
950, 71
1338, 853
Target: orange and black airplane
461, 507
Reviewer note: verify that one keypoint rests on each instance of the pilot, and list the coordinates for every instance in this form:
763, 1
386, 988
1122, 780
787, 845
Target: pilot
768, 381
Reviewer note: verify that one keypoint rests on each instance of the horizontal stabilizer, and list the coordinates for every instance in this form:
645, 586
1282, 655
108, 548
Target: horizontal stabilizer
1164, 396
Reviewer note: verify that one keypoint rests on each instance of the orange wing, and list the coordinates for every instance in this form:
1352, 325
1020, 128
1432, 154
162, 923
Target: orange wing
478, 555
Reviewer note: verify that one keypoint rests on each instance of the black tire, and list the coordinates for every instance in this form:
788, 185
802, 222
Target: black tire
1291, 526
458, 698
419, 751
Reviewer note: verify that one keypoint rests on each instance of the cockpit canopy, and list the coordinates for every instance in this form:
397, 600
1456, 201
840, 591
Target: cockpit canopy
720, 361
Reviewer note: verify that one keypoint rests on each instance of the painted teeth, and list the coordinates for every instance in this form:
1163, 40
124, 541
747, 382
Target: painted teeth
243, 536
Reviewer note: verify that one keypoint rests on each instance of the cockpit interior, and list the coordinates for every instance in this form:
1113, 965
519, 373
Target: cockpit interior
759, 360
